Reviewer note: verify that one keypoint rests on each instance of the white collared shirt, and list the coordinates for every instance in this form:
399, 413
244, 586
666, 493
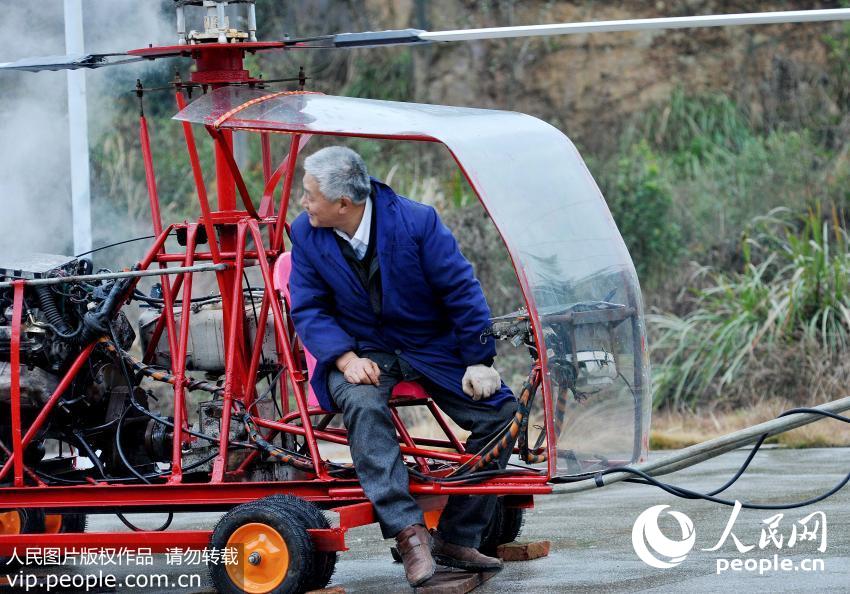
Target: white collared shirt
360, 242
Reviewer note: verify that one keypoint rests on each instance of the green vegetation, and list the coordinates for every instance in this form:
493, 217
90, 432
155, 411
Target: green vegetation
732, 206
643, 199
793, 293
692, 173
736, 225
388, 76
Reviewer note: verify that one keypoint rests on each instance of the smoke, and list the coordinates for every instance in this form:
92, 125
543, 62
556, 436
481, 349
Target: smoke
35, 189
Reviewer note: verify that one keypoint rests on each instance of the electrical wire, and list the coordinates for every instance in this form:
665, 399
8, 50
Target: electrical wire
472, 477
488, 452
117, 243
268, 393
138, 295
685, 493
262, 354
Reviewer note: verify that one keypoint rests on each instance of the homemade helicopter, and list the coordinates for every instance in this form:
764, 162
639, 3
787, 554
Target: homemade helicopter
71, 392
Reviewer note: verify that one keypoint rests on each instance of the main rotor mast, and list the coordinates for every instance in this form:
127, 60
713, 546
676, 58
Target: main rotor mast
219, 47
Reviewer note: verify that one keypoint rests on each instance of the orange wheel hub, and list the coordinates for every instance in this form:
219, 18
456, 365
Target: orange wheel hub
52, 523
432, 518
10, 522
262, 558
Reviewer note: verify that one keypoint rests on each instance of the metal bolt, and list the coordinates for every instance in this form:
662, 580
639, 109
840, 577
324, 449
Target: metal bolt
254, 558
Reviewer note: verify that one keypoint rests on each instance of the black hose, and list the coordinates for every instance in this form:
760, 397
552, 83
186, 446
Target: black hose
59, 333
135, 528
136, 473
646, 479
51, 312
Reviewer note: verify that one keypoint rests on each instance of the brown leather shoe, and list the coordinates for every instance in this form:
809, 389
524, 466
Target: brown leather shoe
466, 558
414, 544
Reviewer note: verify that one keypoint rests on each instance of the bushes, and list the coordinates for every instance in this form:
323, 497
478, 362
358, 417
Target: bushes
790, 300
704, 170
641, 205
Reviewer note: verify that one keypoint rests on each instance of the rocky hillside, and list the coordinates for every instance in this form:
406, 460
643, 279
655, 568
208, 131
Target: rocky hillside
587, 85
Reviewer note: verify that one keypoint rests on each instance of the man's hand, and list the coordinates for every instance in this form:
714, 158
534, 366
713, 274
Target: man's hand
481, 381
358, 370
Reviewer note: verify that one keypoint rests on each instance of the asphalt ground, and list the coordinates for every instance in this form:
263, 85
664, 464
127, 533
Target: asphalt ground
591, 537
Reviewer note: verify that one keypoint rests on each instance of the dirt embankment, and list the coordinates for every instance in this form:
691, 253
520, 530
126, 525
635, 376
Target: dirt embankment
588, 85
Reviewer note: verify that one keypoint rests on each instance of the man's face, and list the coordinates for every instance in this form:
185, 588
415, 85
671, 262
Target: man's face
321, 211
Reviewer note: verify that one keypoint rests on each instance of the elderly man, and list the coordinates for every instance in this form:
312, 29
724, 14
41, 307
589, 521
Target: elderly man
382, 294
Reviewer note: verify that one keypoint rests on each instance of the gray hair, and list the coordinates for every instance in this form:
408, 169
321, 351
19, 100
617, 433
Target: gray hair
340, 172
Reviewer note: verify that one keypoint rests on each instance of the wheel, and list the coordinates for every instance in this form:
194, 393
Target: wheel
324, 562
274, 552
61, 523
504, 527
512, 519
20, 521
490, 539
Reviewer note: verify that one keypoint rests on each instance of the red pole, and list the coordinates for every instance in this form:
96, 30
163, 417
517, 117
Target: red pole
343, 440
224, 179
290, 362
150, 178
17, 447
160, 323
267, 201
48, 406
267, 156
179, 364
257, 352
231, 369
199, 180
152, 252
277, 244
227, 234
225, 256
224, 148
156, 218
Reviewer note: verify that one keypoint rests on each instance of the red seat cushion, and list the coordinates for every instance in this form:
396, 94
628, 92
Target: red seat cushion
409, 390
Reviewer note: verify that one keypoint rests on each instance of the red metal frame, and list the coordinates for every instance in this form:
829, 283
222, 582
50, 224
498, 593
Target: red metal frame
227, 230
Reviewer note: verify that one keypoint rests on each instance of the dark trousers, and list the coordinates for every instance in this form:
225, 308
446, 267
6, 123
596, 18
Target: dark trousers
378, 461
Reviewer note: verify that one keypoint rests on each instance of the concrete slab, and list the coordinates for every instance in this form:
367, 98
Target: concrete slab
591, 537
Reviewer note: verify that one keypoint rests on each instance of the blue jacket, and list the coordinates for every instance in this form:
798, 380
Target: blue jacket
433, 309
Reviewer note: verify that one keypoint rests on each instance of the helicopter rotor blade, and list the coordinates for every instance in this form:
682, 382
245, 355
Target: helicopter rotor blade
418, 36
72, 62
379, 38
414, 36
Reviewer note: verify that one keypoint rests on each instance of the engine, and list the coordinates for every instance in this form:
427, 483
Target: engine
57, 322
105, 412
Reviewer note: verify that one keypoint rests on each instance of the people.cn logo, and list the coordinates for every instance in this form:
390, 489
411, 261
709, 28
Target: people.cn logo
650, 543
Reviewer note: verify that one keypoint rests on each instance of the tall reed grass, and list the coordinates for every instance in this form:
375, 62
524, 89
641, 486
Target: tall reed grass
793, 291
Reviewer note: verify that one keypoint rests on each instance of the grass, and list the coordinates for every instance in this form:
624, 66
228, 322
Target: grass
674, 429
789, 301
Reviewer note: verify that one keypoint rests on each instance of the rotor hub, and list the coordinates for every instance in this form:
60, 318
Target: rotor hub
216, 23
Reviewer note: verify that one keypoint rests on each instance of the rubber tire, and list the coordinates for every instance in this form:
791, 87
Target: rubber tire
492, 532
512, 520
32, 522
288, 525
73, 522
324, 562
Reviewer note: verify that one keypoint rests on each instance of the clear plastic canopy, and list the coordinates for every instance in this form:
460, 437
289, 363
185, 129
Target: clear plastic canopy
572, 265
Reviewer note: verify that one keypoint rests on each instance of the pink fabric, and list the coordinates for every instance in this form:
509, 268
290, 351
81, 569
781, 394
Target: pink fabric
282, 268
